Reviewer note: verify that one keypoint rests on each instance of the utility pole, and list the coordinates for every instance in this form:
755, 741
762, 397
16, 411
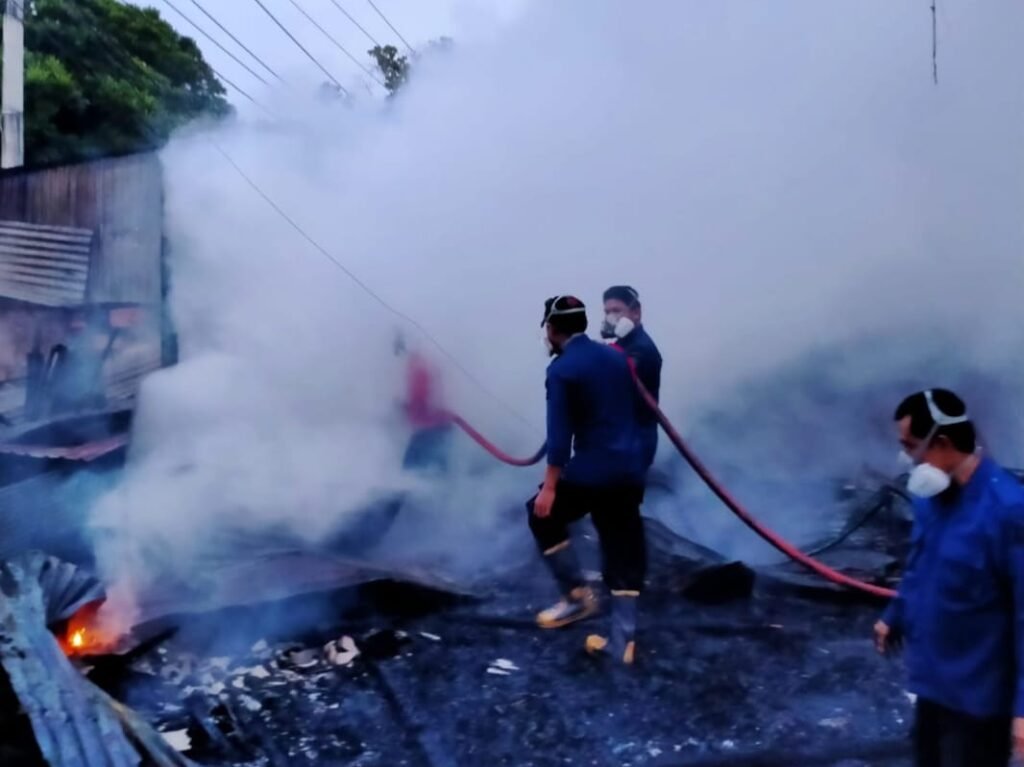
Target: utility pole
12, 98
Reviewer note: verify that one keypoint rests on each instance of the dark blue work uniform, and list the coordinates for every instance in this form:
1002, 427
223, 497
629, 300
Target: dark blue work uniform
960, 609
641, 349
593, 436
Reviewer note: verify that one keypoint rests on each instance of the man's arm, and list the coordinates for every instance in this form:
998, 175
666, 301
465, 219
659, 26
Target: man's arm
559, 443
1011, 540
558, 425
890, 627
1012, 547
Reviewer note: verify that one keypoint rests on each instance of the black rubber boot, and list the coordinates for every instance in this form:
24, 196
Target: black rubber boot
578, 600
621, 643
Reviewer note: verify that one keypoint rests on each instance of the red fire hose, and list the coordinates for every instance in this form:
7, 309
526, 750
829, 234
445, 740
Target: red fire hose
747, 518
716, 487
493, 449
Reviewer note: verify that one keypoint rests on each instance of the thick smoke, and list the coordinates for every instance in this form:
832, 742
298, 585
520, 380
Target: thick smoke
813, 225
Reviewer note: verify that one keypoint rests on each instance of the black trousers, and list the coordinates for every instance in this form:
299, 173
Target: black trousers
615, 511
947, 738
428, 448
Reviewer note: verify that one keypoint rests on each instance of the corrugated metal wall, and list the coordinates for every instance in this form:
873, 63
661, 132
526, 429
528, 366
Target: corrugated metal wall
120, 199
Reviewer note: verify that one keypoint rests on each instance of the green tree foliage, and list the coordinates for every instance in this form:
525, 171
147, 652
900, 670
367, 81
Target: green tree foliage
106, 78
396, 68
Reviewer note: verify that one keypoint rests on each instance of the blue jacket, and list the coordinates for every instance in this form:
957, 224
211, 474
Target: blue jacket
642, 350
592, 430
961, 602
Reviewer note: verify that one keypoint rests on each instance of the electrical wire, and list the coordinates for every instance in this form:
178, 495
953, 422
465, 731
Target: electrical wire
240, 44
216, 42
301, 47
392, 27
340, 47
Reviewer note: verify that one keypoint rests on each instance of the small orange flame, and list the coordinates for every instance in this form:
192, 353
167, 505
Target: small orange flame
78, 639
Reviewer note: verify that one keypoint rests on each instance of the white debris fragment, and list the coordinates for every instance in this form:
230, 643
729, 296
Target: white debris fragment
260, 647
239, 683
910, 696
729, 745
250, 703
217, 688
654, 751
177, 739
498, 671
834, 723
431, 637
505, 664
342, 652
259, 672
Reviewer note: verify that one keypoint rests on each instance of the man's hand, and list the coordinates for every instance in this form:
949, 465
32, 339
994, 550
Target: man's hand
543, 502
1018, 739
886, 640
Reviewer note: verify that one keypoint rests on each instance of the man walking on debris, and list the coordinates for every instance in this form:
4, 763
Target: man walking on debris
429, 444
623, 326
960, 608
595, 466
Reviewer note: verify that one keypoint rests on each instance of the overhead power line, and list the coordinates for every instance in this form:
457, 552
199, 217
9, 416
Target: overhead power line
242, 92
301, 47
238, 42
392, 27
340, 47
349, 16
216, 42
363, 286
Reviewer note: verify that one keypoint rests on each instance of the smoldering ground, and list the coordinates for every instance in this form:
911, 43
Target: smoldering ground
813, 226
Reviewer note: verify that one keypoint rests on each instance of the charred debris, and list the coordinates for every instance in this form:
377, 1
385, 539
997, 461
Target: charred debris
310, 657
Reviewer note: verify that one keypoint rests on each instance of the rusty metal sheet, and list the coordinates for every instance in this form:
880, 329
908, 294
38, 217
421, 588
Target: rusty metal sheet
44, 265
74, 723
90, 451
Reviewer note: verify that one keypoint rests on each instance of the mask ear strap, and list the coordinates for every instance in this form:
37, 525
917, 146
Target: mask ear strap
938, 417
551, 310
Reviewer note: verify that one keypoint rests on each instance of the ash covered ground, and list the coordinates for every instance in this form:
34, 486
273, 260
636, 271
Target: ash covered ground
772, 679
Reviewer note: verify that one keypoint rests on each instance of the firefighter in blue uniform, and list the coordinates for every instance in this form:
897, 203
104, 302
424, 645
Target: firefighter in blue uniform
960, 607
596, 466
623, 326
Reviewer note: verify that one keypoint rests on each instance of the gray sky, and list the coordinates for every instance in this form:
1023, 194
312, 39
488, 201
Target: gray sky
417, 20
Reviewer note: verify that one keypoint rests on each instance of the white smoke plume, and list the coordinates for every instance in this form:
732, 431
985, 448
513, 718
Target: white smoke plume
812, 224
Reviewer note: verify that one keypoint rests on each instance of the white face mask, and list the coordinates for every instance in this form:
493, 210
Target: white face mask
617, 326
927, 481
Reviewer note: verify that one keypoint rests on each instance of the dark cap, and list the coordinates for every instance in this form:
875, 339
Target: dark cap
623, 293
560, 306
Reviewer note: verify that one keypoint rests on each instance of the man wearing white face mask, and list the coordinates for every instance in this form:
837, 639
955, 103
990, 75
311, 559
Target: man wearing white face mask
960, 607
623, 326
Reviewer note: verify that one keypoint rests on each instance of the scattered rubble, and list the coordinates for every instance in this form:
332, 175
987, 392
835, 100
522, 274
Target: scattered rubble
726, 676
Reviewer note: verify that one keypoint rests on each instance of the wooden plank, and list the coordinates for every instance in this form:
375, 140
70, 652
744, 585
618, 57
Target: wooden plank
40, 296
53, 239
63, 275
43, 246
43, 280
72, 230
59, 264
77, 243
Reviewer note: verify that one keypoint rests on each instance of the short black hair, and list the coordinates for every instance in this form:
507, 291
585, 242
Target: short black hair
962, 435
566, 314
623, 293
